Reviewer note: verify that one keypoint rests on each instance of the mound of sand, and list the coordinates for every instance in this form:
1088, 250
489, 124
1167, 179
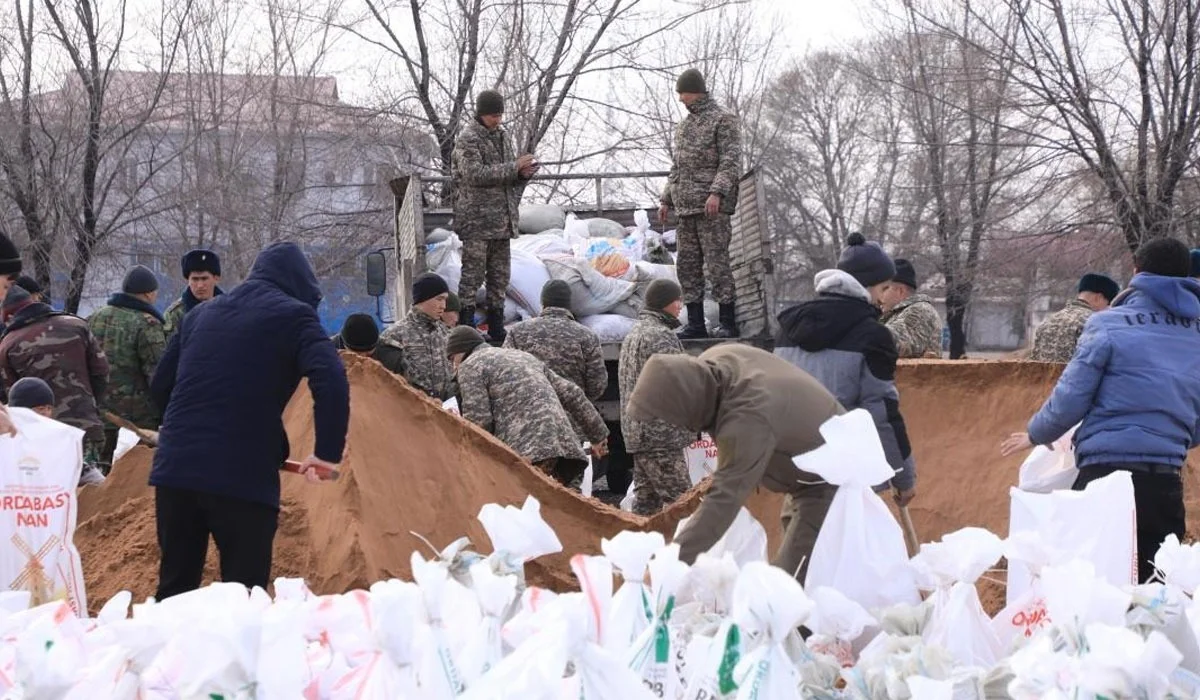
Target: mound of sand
413, 468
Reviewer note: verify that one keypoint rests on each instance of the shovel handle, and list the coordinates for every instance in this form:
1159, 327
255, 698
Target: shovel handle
910, 532
325, 473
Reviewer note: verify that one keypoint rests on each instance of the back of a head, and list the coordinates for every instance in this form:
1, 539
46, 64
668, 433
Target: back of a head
285, 265
866, 261
677, 388
30, 392
1165, 256
464, 340
1195, 262
360, 333
556, 294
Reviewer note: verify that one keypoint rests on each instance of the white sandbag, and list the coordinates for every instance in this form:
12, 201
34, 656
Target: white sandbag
1098, 525
535, 218
651, 655
950, 568
126, 441
610, 328
1046, 469
438, 235
860, 549
575, 233
591, 292
39, 472
701, 458
547, 243
745, 540
605, 228
445, 258
769, 605
525, 283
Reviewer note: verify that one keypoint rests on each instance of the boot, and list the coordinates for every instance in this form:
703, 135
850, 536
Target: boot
495, 321
466, 316
728, 327
695, 328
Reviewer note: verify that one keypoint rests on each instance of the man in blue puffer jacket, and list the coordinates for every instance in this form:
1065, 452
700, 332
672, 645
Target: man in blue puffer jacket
223, 384
1134, 383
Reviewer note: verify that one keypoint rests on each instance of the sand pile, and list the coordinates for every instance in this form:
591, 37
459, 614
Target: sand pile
414, 468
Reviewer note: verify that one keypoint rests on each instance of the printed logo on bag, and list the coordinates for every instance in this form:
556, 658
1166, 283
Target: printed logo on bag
29, 464
1032, 619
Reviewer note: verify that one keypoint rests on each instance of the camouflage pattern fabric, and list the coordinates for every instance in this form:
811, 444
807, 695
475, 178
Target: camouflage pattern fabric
487, 261
703, 246
59, 349
515, 397
659, 479
916, 326
569, 348
652, 334
134, 341
487, 185
172, 317
1056, 338
708, 160
421, 339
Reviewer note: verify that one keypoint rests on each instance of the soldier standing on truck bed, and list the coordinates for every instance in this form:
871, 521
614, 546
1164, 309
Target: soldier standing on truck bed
488, 183
1056, 338
911, 317
702, 189
660, 472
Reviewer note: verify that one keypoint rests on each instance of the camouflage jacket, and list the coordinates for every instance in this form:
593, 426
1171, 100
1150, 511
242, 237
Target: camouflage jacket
566, 346
386, 354
708, 160
421, 341
59, 349
916, 326
514, 396
1055, 339
131, 333
174, 314
487, 185
651, 335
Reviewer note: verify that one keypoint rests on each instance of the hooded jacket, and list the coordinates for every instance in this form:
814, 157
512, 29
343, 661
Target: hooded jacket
228, 374
838, 339
1134, 381
760, 410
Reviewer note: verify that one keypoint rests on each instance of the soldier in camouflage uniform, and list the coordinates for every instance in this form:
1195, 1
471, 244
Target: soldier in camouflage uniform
59, 349
660, 473
702, 189
130, 330
911, 317
514, 396
1056, 338
420, 338
488, 182
569, 348
202, 270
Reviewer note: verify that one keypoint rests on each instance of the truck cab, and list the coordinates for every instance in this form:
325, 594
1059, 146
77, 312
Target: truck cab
391, 271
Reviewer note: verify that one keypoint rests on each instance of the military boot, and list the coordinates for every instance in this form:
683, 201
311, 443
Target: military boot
728, 327
695, 328
466, 316
495, 321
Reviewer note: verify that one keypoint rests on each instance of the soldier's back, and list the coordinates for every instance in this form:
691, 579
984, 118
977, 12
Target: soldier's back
557, 341
1055, 340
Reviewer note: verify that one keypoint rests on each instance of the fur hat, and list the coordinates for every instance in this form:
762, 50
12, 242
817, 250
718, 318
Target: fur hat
1100, 284
201, 261
866, 262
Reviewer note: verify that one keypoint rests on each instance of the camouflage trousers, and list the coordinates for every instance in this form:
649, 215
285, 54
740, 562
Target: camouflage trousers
802, 515
702, 244
490, 261
659, 479
93, 453
568, 472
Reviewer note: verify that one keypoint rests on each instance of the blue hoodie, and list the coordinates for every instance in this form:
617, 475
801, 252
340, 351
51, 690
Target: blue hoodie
228, 374
1135, 379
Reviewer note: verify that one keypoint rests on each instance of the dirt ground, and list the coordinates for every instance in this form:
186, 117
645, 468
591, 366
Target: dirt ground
413, 468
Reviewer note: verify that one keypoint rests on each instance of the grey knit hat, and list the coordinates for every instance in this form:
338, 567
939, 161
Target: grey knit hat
691, 80
866, 262
662, 293
556, 294
489, 102
463, 339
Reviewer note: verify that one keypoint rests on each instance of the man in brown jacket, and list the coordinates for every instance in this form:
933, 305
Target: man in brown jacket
762, 411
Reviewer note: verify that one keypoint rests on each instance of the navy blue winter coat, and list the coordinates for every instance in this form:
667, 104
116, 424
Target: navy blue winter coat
228, 374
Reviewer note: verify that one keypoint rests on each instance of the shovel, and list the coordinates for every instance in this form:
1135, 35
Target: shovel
150, 437
910, 532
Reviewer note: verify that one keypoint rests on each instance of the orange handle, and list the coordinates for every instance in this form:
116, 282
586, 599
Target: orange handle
325, 473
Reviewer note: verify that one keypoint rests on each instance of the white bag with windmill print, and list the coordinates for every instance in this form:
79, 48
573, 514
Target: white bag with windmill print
39, 470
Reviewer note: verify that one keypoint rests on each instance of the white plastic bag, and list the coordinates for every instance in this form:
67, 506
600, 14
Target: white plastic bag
547, 243
836, 623
126, 441
701, 457
1098, 524
860, 549
768, 605
450, 405
745, 540
536, 218
1046, 469
445, 258
39, 472
1179, 564
950, 568
520, 534
651, 655
525, 283
610, 328
1026, 615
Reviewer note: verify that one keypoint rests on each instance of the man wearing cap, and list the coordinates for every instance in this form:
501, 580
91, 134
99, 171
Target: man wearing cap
660, 473
30, 285
838, 339
360, 336
488, 179
1056, 338
130, 329
202, 270
453, 307
702, 189
60, 349
569, 348
911, 317
516, 397
420, 337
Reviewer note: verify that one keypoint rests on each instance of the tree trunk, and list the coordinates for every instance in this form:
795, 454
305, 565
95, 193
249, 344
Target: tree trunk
956, 318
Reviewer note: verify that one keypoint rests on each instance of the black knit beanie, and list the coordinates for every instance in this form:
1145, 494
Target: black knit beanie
556, 294
359, 333
905, 273
1100, 284
489, 102
29, 284
662, 293
30, 392
691, 80
139, 280
10, 258
463, 339
427, 286
866, 262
